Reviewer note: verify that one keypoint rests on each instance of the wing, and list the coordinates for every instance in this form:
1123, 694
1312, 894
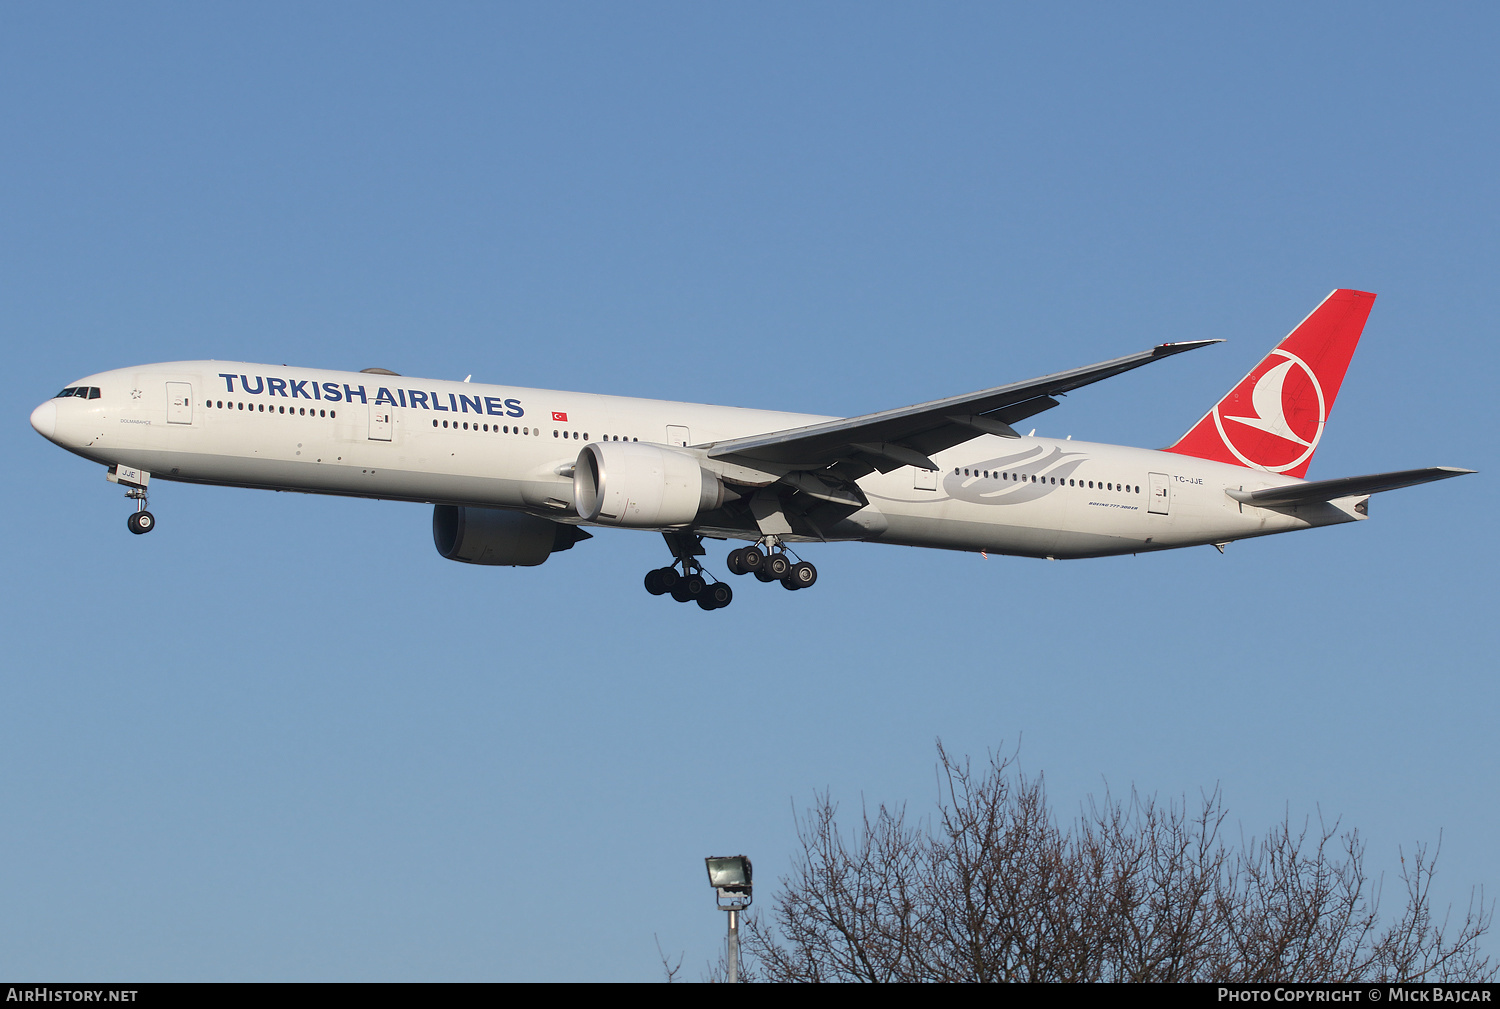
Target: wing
1314, 491
908, 436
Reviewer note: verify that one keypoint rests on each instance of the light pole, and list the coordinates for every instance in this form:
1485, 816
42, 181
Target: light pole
730, 878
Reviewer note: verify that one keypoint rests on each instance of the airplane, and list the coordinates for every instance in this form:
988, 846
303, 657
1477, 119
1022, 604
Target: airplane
516, 475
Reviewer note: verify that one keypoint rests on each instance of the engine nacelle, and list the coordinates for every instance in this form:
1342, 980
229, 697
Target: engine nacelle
625, 483
497, 536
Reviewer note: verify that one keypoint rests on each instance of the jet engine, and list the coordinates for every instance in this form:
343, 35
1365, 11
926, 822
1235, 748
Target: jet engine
623, 483
497, 536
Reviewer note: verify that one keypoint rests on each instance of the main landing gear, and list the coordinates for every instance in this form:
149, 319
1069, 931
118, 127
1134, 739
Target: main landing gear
767, 560
689, 587
772, 565
691, 584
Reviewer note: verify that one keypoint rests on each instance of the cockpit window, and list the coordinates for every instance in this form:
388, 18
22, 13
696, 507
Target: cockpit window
81, 391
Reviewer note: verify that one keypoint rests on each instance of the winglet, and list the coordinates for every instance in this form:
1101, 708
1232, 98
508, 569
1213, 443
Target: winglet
1168, 349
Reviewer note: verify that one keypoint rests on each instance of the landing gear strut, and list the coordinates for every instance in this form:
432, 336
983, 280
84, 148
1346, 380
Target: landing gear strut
140, 521
768, 562
690, 584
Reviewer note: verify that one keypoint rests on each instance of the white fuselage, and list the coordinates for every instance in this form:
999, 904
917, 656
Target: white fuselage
384, 436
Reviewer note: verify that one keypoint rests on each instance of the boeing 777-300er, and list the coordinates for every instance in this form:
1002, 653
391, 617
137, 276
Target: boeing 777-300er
515, 475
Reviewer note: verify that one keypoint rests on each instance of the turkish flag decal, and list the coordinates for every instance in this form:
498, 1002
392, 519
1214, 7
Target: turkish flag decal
561, 418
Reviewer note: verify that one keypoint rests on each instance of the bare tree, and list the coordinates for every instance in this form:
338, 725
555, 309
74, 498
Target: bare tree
668, 968
992, 889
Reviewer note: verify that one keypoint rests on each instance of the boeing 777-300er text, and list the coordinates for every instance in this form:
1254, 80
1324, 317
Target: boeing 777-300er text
517, 474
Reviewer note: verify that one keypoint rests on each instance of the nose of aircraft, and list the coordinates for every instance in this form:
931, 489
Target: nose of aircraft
44, 419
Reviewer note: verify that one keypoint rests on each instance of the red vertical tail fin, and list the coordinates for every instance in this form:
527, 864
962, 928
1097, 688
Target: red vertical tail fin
1273, 419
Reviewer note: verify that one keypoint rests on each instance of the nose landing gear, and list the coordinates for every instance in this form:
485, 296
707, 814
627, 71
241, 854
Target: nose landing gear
135, 482
140, 521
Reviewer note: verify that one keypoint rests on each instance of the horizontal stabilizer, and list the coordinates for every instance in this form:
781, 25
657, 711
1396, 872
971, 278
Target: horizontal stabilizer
1327, 490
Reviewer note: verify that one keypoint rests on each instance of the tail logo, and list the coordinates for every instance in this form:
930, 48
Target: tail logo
1282, 402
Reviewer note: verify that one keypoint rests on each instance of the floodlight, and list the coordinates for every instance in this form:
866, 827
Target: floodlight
730, 874
730, 878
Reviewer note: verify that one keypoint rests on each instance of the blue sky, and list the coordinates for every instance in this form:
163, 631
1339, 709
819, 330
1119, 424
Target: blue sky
281, 738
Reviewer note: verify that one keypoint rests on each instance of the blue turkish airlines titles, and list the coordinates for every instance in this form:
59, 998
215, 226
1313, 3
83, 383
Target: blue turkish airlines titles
335, 392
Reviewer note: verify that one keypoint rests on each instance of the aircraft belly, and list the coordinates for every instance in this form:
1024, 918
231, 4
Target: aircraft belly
322, 477
961, 534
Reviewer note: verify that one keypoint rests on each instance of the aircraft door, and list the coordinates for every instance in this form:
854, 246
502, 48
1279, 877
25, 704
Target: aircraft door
1161, 493
179, 402
924, 479
677, 435
382, 418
